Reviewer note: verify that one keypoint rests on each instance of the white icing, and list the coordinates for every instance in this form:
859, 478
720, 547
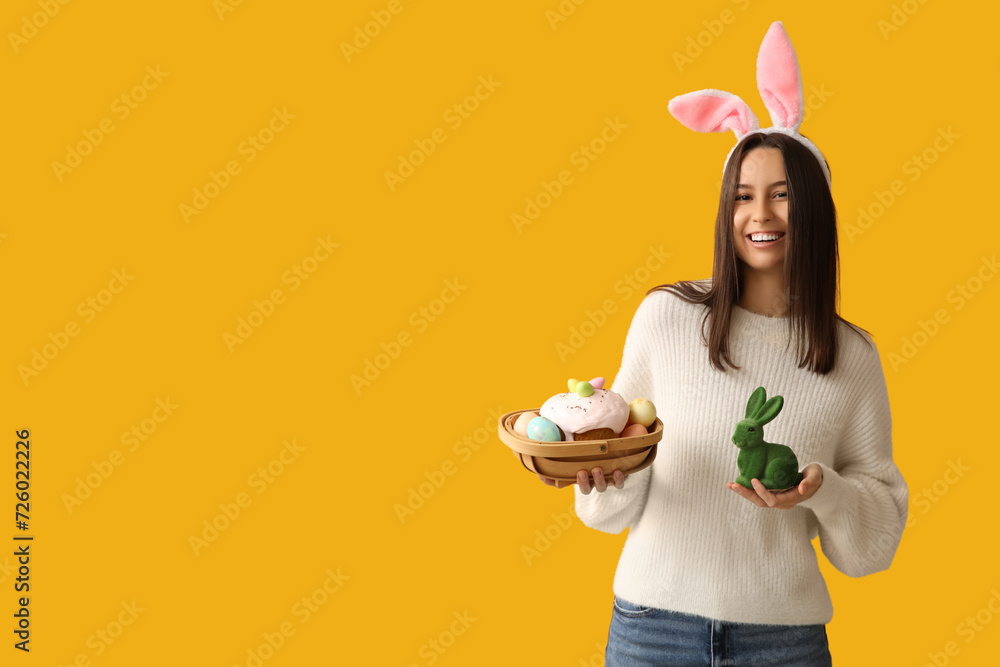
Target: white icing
575, 414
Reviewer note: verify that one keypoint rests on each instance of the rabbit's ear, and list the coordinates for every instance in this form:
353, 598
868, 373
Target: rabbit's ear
755, 402
713, 110
779, 79
770, 410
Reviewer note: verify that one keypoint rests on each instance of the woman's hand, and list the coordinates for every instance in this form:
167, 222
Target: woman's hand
811, 481
583, 481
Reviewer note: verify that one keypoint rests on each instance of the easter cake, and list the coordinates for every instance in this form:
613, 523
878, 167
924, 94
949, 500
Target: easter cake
587, 411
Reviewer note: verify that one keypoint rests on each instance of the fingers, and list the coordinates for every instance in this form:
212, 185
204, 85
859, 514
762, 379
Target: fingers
812, 479
749, 494
764, 493
763, 497
600, 483
781, 500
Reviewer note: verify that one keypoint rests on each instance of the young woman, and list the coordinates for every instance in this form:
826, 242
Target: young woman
712, 572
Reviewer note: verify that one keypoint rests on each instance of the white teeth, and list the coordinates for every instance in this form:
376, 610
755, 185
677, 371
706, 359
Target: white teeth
764, 237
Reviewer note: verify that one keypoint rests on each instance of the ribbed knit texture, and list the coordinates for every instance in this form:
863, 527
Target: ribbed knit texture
696, 547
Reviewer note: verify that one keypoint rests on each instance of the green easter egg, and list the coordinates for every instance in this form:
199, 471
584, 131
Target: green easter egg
585, 389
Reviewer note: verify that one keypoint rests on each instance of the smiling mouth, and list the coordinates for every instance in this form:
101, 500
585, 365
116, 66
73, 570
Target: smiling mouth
764, 239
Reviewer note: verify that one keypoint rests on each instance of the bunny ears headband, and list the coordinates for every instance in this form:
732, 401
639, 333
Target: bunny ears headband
780, 86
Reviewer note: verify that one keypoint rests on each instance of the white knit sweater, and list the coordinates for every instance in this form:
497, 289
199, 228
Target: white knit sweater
697, 547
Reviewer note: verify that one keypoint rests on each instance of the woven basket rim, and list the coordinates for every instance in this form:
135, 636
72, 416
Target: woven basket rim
563, 449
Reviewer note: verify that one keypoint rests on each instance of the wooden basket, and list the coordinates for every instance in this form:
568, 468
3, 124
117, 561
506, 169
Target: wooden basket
561, 460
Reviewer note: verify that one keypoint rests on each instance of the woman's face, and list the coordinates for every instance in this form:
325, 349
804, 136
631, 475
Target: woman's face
761, 206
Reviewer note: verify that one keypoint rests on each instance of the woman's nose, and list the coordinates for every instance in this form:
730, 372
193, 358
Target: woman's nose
761, 211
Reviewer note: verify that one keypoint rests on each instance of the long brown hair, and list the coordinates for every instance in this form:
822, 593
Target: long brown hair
811, 266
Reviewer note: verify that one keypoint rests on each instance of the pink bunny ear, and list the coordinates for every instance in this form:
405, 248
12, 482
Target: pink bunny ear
778, 78
713, 111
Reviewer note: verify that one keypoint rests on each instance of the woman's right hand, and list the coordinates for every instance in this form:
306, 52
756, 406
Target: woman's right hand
583, 481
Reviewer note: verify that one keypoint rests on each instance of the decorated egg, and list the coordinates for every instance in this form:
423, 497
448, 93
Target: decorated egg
521, 423
642, 411
540, 428
633, 430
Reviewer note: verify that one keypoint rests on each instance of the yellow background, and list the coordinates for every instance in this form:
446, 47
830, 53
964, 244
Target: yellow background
492, 349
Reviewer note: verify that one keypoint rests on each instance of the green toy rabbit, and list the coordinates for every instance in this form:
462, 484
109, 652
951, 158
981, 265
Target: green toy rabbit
774, 465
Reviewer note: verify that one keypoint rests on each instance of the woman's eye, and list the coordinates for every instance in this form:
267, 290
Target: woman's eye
783, 194
742, 197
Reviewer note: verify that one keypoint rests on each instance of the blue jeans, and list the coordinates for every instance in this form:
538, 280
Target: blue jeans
647, 636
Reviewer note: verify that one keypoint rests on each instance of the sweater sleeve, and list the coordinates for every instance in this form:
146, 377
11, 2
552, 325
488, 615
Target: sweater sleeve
862, 504
616, 509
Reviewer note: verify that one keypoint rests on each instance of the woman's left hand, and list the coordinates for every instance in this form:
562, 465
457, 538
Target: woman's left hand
811, 481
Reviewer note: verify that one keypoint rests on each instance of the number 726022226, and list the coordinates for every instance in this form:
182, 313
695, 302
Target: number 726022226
22, 475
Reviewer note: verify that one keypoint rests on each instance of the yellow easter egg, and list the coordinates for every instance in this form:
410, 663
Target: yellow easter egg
642, 411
